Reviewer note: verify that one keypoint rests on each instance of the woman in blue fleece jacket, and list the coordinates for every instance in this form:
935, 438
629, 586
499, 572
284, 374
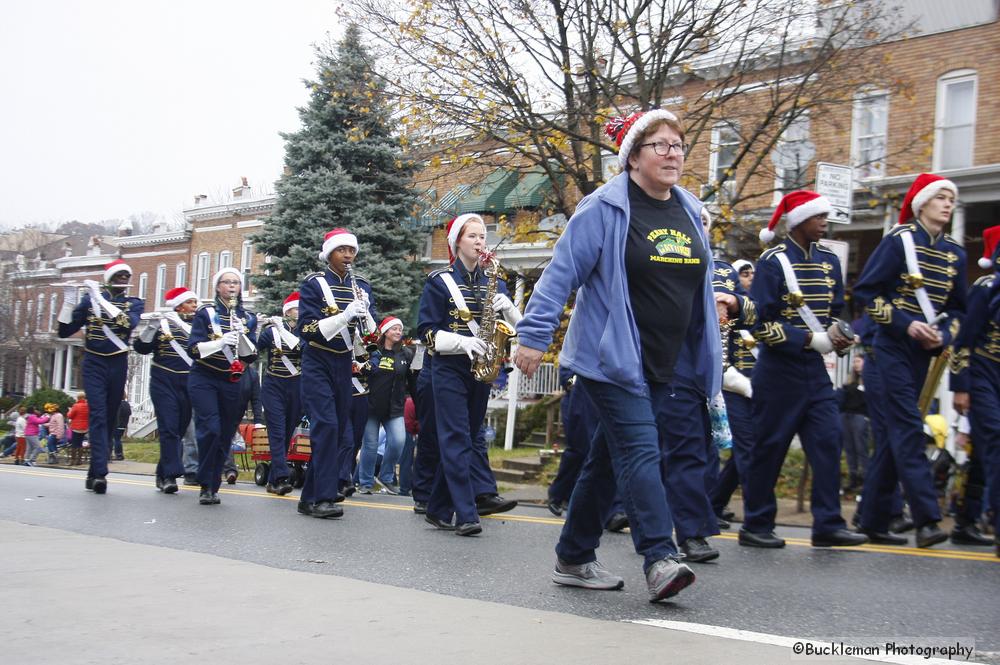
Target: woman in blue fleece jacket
644, 339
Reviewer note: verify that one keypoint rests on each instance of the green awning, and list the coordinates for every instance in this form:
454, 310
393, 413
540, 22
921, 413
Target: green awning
529, 192
489, 194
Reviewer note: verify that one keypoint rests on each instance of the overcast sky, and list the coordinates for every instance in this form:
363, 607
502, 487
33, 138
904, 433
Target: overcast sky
116, 107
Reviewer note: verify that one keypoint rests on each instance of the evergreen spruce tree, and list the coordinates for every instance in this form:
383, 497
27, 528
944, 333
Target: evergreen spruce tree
344, 168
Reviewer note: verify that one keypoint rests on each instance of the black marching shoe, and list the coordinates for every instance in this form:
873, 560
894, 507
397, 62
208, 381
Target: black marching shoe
488, 504
100, 485
469, 529
839, 538
556, 507
420, 507
327, 509
765, 540
169, 486
305, 508
969, 535
281, 488
349, 491
205, 496
900, 524
929, 534
617, 523
727, 515
883, 538
724, 525
697, 550
441, 524
339, 498
89, 483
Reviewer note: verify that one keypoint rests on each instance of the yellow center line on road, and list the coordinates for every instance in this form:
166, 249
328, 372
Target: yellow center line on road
959, 555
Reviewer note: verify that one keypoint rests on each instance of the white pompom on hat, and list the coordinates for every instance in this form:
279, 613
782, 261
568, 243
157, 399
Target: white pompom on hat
991, 243
797, 206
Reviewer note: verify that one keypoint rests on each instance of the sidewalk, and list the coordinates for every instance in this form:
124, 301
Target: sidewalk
107, 601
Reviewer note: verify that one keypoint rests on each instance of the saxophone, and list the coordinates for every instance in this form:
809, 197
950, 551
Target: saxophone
495, 332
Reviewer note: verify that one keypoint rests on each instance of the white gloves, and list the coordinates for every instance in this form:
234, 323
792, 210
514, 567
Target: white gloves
357, 308
821, 342
452, 344
735, 382
205, 349
332, 325
92, 285
503, 305
231, 338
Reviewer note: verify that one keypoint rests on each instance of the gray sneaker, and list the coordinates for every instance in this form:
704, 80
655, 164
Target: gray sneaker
667, 578
591, 575
387, 488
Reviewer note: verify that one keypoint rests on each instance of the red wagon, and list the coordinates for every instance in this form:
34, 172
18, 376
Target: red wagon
298, 455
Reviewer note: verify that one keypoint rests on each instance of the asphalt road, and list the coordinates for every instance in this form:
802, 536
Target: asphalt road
880, 593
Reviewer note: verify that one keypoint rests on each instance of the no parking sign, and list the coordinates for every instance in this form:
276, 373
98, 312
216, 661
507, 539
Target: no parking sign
836, 182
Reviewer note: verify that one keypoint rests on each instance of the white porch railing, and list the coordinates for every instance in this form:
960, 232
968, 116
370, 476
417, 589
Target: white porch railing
143, 420
544, 382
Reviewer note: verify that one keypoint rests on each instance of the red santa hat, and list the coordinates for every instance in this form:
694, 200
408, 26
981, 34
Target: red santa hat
177, 296
223, 271
291, 302
115, 267
991, 242
389, 322
923, 189
797, 206
337, 238
625, 130
455, 230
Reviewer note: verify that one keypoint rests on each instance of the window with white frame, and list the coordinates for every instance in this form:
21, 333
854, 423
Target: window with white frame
161, 284
27, 316
869, 133
40, 312
143, 281
722, 156
225, 259
180, 275
792, 156
246, 265
17, 314
955, 127
53, 301
201, 280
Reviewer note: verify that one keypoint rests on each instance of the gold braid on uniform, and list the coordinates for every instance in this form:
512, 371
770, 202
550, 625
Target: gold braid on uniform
749, 311
772, 333
429, 340
959, 360
954, 328
880, 311
311, 327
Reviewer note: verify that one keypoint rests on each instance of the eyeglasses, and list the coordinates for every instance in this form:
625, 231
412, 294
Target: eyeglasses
230, 282
662, 148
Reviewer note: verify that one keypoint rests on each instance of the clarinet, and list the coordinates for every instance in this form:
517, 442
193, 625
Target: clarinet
236, 367
363, 330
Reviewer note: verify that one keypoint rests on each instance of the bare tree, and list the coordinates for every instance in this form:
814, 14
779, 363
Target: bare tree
531, 83
26, 316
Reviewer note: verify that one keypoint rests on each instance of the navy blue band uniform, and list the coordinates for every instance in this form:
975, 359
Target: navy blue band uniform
281, 397
454, 386
105, 366
792, 390
219, 402
168, 390
975, 366
721, 484
886, 288
326, 383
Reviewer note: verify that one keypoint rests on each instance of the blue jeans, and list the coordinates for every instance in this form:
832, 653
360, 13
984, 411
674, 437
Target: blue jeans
395, 438
625, 450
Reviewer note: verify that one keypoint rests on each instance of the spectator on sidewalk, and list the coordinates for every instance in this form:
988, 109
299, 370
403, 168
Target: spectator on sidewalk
19, 426
57, 430
854, 416
31, 433
124, 415
9, 443
79, 424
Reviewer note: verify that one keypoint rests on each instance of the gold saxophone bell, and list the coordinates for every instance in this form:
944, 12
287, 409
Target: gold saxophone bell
796, 299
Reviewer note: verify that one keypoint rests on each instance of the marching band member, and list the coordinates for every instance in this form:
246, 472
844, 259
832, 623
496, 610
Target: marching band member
280, 392
451, 308
915, 273
644, 334
976, 383
331, 304
798, 290
166, 337
222, 342
109, 316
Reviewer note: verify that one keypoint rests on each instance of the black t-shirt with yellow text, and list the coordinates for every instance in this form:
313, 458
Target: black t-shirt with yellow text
666, 267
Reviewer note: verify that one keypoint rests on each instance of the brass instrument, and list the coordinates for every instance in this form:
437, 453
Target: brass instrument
496, 333
934, 374
726, 326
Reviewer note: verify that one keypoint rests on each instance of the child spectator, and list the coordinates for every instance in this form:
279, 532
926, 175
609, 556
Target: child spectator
79, 423
57, 430
31, 434
19, 426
